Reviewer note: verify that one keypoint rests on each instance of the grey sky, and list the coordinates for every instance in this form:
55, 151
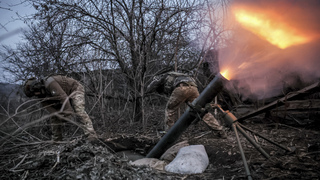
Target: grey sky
10, 26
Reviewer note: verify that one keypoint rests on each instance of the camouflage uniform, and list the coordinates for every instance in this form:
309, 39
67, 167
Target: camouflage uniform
57, 91
181, 89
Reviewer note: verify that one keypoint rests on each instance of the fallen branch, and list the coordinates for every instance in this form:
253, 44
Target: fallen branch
278, 124
310, 153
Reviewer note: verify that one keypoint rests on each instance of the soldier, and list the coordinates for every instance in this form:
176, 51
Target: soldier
56, 91
181, 88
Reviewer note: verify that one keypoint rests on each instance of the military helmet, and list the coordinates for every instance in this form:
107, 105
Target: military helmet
28, 87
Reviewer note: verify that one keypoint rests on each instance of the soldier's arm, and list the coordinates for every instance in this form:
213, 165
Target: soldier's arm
57, 92
156, 83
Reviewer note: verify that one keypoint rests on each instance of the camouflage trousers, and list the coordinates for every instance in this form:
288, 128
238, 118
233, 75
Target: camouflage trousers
78, 104
180, 95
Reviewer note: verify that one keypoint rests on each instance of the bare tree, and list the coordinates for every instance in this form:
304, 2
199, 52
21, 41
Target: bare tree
140, 38
138, 35
46, 51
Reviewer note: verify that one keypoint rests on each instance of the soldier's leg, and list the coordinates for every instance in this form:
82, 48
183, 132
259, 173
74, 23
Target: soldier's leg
208, 118
78, 102
56, 127
214, 125
212, 122
176, 99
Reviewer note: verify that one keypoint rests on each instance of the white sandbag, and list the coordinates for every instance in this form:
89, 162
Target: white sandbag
189, 160
150, 162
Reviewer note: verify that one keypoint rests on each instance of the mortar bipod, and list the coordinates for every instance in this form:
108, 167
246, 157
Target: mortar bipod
233, 123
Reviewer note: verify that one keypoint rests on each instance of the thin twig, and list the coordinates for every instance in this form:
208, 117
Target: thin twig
58, 114
13, 169
55, 164
100, 95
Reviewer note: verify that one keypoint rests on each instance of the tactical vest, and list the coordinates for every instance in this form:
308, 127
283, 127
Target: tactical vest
48, 79
62, 81
173, 79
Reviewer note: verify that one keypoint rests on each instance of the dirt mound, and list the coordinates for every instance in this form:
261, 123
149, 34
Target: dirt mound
75, 160
104, 159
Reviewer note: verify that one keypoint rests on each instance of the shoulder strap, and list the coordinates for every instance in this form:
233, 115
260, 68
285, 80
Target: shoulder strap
47, 81
175, 74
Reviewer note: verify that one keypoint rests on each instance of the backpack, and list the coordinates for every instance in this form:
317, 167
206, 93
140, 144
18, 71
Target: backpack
173, 79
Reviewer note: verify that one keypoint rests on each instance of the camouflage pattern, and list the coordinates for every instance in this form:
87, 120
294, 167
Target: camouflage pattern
67, 93
173, 79
180, 94
212, 122
183, 94
181, 88
78, 102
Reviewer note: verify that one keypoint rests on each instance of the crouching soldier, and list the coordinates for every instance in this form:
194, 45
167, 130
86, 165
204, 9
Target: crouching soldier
61, 92
181, 88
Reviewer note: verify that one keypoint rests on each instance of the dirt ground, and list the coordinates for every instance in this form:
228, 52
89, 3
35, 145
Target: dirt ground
78, 159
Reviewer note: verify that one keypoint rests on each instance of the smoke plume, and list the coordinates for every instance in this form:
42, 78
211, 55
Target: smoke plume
262, 69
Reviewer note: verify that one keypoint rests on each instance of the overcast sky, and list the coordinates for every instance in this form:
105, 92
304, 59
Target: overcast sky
10, 27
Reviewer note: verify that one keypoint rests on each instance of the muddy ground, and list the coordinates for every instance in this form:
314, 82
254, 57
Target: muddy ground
105, 159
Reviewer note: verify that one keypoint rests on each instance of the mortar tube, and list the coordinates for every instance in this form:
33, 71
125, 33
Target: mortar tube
206, 96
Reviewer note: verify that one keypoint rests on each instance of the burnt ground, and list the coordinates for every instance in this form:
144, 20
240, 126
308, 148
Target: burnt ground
78, 159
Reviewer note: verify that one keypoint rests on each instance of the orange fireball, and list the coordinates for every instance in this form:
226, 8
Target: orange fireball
270, 27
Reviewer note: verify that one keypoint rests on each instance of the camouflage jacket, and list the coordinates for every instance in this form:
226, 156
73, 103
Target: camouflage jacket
58, 88
166, 83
